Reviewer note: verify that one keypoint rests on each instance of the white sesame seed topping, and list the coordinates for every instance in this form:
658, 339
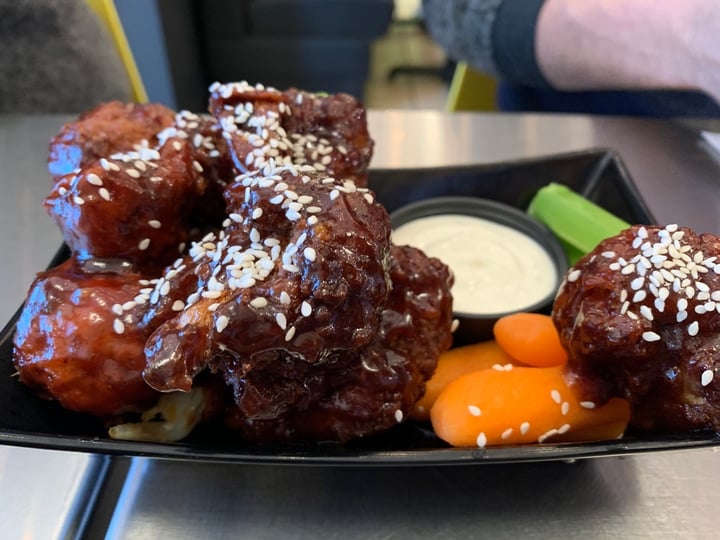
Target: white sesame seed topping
707, 377
305, 309
573, 276
693, 328
524, 428
118, 326
144, 244
284, 298
259, 302
290, 333
94, 179
399, 416
587, 404
564, 408
178, 305
474, 410
646, 312
281, 321
310, 254
481, 440
154, 223
221, 323
651, 336
506, 434
555, 396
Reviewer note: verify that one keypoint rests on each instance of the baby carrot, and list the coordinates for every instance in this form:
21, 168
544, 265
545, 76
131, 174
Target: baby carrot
454, 363
531, 339
520, 405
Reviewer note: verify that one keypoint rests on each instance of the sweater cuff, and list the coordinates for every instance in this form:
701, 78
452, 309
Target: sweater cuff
514, 42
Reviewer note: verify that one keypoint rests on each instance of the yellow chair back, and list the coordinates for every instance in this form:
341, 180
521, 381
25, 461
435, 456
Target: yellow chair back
107, 13
471, 90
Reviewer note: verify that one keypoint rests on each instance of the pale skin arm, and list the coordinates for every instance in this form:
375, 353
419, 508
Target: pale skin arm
630, 44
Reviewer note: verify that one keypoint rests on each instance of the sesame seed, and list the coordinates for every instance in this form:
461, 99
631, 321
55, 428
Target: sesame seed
563, 429
94, 179
474, 410
506, 434
258, 302
309, 254
524, 428
651, 336
221, 323
555, 395
587, 404
257, 213
399, 416
132, 173
481, 440
118, 326
305, 309
693, 328
334, 194
573, 276
177, 145
117, 309
549, 433
637, 283
78, 200
281, 321
178, 305
707, 377
165, 288
290, 333
284, 298
211, 295
564, 408
144, 244
154, 223
454, 325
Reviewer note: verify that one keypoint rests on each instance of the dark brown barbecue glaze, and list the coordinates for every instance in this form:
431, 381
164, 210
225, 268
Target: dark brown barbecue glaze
105, 130
293, 311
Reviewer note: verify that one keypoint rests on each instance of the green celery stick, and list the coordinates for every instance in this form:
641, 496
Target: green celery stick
579, 223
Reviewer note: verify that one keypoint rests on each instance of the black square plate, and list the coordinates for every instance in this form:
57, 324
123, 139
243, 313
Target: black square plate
26, 420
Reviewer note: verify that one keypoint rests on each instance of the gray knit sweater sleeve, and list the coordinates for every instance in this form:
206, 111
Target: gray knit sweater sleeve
465, 29
494, 36
56, 56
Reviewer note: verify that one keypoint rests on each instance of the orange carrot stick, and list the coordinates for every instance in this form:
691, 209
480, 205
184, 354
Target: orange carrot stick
520, 405
454, 363
531, 339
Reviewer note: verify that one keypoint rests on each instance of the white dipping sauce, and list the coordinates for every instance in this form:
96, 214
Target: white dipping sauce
497, 268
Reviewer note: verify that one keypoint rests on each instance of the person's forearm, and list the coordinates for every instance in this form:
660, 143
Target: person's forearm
616, 44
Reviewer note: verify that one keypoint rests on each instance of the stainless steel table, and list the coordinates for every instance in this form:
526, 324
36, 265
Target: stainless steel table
666, 495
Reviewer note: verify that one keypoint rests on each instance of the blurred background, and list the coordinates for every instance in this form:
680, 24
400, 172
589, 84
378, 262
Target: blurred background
67, 55
376, 50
